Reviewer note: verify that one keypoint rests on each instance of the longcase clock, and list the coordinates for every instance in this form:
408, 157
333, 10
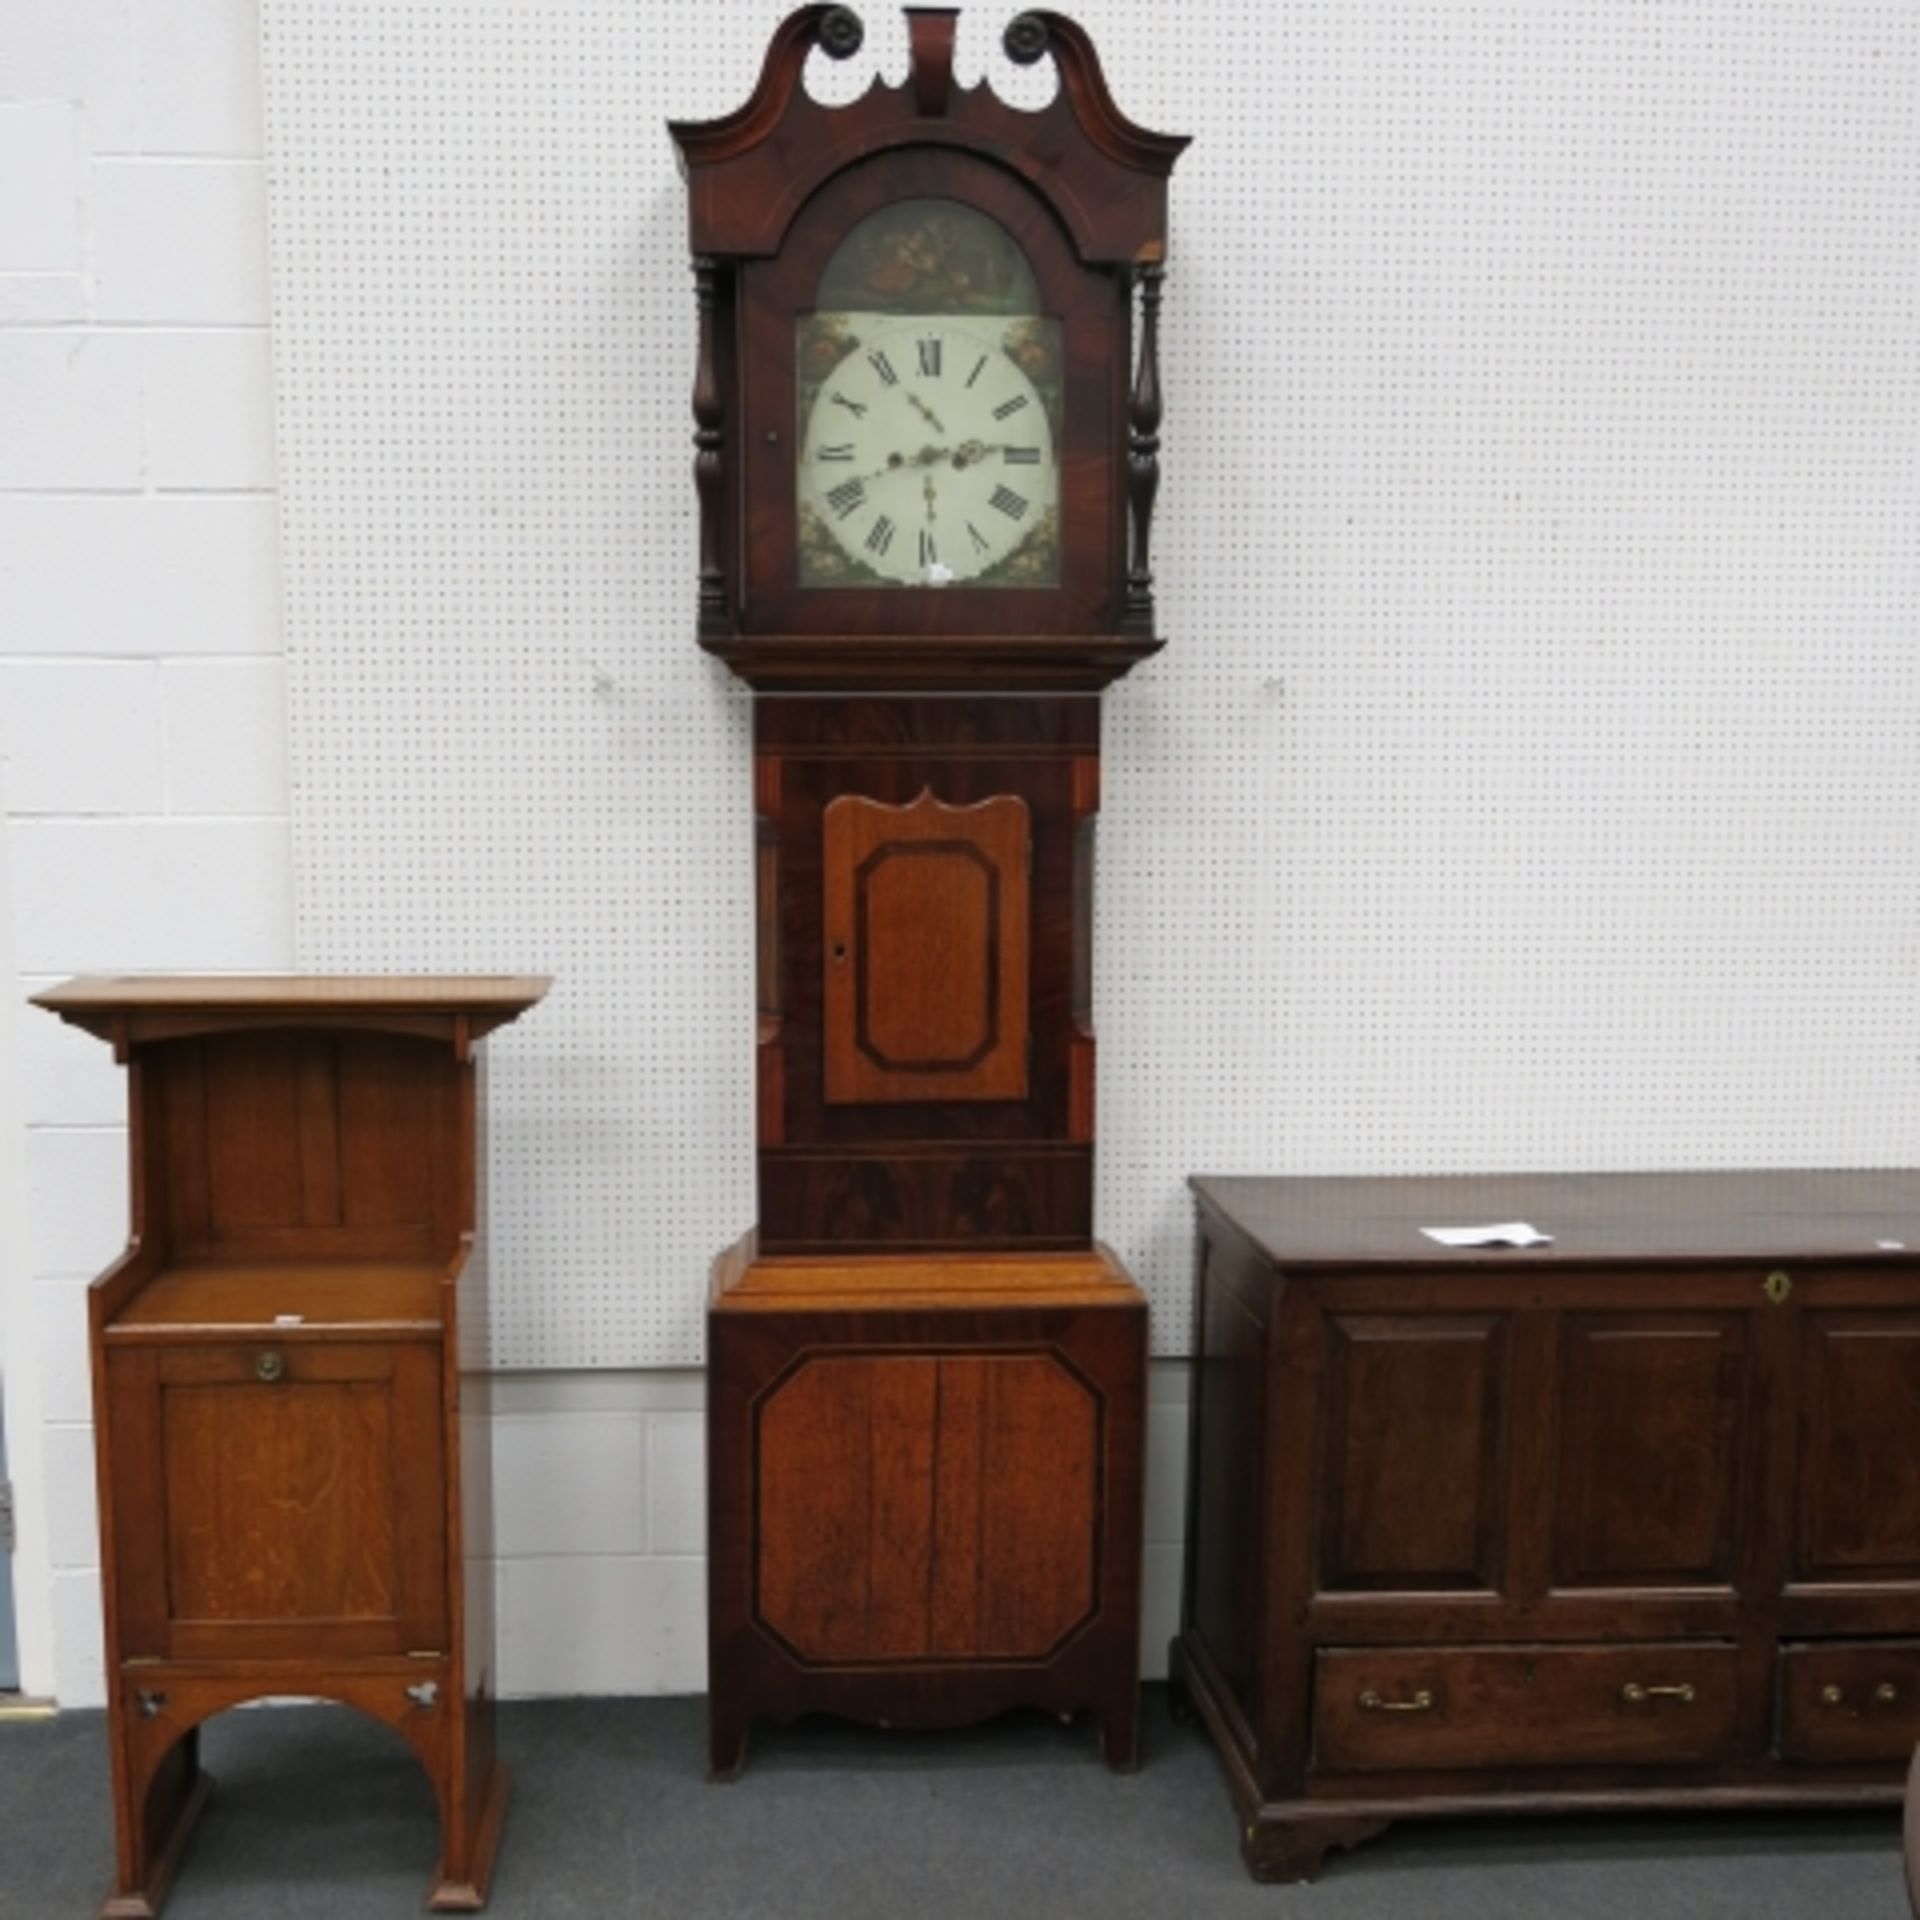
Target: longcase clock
926, 407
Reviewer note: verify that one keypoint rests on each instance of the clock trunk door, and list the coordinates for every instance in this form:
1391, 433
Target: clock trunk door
927, 916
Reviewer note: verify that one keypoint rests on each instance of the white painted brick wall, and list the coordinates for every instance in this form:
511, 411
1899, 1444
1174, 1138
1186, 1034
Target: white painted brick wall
73, 1077
199, 78
77, 1194
57, 1342
145, 895
79, 51
225, 725
142, 722
41, 299
40, 161
181, 242
83, 737
138, 576
210, 411
144, 801
70, 405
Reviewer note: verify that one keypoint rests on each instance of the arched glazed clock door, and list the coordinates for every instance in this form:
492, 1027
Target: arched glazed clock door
944, 363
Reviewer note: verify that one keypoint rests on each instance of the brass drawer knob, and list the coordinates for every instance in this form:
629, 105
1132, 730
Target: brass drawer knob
1635, 1695
424, 1695
269, 1366
1371, 1702
1886, 1693
1831, 1696
1778, 1284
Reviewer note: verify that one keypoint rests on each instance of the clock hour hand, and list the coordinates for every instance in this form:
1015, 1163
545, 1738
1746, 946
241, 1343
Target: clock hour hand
898, 462
925, 412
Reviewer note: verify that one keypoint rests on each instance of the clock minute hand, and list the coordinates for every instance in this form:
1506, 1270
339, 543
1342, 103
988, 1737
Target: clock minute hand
969, 453
899, 462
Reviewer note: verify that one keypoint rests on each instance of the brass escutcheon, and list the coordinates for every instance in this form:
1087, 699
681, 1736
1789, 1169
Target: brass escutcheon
269, 1366
1778, 1284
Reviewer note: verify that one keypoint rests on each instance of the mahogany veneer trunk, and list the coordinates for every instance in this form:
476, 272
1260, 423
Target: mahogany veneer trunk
925, 1382
291, 1424
1629, 1520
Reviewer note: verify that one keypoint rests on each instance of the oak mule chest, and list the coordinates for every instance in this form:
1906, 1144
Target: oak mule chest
1628, 1520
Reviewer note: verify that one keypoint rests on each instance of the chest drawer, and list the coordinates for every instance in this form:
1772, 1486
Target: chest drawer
1857, 1700
1404, 1709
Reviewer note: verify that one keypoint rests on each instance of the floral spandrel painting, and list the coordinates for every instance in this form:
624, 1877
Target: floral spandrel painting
928, 256
930, 401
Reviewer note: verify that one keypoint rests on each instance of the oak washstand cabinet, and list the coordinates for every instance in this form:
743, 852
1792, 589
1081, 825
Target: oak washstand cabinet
1626, 1521
291, 1427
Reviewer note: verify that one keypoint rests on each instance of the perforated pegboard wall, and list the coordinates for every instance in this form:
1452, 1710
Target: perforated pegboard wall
1531, 779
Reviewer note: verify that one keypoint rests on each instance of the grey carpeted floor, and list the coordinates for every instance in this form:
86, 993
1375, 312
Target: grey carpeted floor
319, 1813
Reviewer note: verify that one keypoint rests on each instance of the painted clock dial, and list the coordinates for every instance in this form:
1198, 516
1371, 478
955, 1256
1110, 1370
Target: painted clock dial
929, 391
927, 458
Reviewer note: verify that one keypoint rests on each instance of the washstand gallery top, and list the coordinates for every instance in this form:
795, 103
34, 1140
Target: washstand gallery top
927, 427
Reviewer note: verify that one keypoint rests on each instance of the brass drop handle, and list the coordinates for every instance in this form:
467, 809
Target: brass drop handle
1777, 1285
1831, 1696
152, 1705
424, 1695
1635, 1695
269, 1366
1886, 1693
1371, 1702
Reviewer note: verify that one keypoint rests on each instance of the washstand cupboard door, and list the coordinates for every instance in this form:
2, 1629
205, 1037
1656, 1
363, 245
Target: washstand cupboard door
278, 1501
